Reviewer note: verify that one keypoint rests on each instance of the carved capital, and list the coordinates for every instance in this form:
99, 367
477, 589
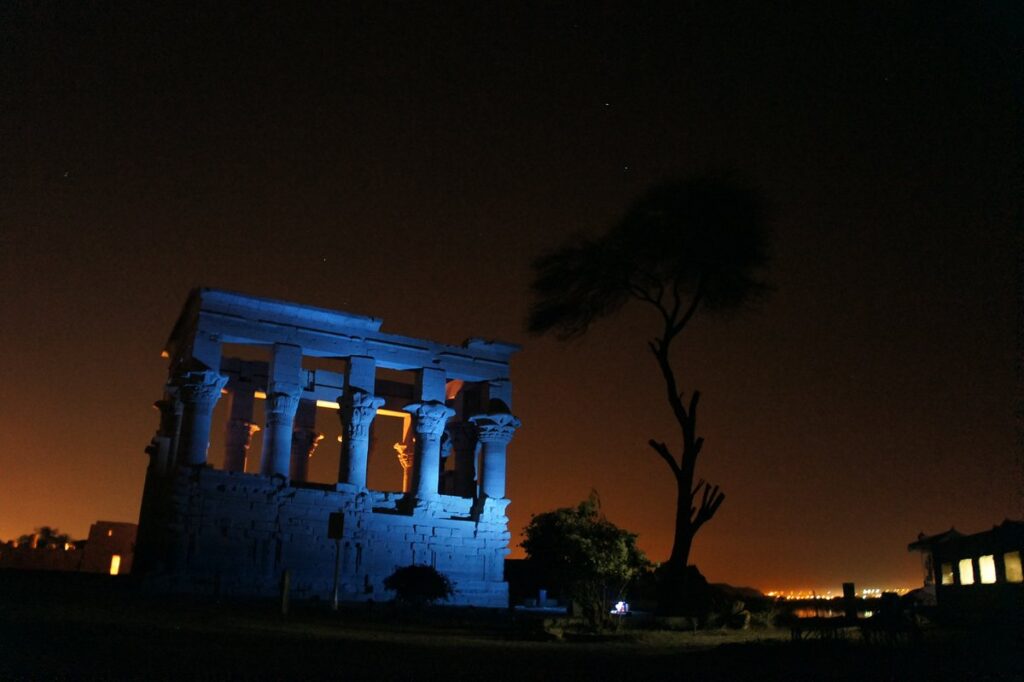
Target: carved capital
430, 418
200, 388
306, 440
170, 411
358, 408
404, 457
243, 429
495, 428
280, 407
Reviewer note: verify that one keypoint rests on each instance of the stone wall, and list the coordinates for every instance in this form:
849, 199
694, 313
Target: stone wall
232, 533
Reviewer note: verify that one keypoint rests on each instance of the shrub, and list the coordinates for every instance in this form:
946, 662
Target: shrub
418, 584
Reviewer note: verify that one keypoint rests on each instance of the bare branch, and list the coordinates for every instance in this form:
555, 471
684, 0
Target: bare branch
662, 450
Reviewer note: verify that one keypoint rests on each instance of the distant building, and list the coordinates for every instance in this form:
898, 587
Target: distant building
110, 548
976, 577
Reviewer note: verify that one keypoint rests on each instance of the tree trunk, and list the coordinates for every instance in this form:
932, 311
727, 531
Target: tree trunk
684, 531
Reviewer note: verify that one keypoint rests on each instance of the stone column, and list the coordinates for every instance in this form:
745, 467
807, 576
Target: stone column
198, 392
237, 439
358, 408
304, 442
239, 429
284, 387
464, 443
161, 447
494, 431
404, 461
277, 441
428, 421
305, 438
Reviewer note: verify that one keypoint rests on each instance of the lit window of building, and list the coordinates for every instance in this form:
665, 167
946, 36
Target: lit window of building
987, 569
1011, 561
947, 574
110, 533
966, 572
115, 564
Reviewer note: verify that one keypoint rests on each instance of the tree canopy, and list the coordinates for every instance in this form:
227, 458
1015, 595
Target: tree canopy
583, 554
683, 246
702, 241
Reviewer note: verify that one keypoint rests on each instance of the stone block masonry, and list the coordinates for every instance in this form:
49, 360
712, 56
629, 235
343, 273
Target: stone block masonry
226, 532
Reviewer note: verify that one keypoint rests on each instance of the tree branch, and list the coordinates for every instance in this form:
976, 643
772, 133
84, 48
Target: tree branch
662, 450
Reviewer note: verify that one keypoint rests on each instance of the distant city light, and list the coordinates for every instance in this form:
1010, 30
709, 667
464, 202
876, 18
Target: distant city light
827, 595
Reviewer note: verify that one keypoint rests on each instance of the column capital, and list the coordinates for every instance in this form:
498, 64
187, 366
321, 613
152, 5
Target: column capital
281, 403
495, 428
430, 418
310, 438
404, 457
200, 387
357, 410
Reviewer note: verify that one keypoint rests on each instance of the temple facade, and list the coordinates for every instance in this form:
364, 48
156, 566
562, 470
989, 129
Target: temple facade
221, 530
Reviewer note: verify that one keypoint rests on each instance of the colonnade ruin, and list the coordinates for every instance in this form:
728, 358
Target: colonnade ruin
228, 531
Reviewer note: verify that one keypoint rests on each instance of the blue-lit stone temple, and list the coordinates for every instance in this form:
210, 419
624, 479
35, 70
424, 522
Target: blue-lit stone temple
238, 528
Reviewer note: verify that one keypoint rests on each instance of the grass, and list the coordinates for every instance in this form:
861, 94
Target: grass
53, 627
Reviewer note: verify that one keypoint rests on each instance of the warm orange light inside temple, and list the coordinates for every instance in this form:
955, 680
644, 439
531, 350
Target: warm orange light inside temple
404, 416
115, 564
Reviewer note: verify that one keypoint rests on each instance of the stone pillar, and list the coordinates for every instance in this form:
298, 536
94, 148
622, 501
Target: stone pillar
239, 429
237, 439
428, 421
494, 431
358, 408
198, 392
283, 391
277, 442
404, 461
304, 442
162, 446
305, 438
464, 444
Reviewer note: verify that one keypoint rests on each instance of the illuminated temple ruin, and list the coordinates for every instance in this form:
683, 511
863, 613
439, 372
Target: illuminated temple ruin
221, 530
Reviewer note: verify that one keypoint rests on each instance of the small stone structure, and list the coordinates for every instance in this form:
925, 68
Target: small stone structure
225, 531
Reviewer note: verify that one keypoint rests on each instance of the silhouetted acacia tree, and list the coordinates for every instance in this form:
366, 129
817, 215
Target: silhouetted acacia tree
682, 247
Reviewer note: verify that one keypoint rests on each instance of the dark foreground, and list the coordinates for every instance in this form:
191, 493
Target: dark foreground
66, 626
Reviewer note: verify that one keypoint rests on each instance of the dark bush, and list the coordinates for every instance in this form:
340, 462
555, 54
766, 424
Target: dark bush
418, 584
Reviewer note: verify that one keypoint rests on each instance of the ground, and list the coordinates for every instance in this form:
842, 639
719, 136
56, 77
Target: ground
55, 626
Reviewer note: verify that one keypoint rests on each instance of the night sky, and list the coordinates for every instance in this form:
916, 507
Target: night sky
408, 161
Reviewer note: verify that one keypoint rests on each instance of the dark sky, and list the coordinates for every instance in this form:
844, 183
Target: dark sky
408, 161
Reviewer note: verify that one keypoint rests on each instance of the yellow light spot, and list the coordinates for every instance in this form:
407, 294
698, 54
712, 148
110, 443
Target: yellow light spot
115, 564
947, 574
110, 533
1011, 562
987, 569
966, 572
164, 354
260, 395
